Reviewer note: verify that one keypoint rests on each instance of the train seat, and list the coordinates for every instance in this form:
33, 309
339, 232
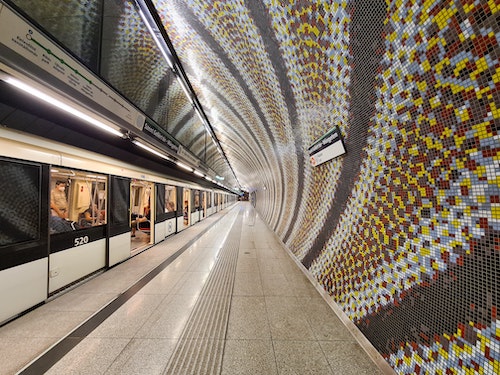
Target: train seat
144, 226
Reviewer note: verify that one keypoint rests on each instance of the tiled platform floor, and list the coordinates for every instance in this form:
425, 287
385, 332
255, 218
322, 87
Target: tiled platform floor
249, 307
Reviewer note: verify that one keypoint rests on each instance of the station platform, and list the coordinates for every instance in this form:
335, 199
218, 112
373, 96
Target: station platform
221, 297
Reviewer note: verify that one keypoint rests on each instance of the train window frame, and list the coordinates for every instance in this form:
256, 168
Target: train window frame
92, 186
170, 197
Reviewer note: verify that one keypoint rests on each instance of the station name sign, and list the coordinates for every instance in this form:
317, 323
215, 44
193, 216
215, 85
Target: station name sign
326, 148
160, 134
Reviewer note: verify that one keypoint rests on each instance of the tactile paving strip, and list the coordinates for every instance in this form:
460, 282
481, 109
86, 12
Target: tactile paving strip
200, 347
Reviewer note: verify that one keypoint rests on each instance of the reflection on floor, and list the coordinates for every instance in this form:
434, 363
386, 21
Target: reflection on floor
140, 242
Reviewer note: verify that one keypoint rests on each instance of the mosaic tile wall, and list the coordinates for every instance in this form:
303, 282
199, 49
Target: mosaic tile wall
403, 230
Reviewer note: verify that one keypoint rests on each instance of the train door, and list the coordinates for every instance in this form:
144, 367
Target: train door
203, 212
184, 220
23, 236
160, 214
195, 209
171, 209
119, 220
209, 203
77, 225
142, 203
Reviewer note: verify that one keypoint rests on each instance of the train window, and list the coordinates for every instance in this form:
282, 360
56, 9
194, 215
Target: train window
196, 199
170, 199
20, 202
77, 200
140, 193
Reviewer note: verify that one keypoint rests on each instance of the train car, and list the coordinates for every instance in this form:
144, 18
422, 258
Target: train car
67, 213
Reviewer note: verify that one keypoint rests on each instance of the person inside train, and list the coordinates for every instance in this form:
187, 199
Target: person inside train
58, 201
140, 219
170, 206
90, 216
186, 213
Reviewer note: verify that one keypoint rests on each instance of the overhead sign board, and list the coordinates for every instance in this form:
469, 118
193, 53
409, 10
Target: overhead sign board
161, 135
23, 39
329, 146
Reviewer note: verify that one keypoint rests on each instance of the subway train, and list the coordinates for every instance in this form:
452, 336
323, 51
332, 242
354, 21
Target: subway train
67, 214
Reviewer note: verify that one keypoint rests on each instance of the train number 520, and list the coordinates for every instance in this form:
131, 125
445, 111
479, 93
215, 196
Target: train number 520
81, 240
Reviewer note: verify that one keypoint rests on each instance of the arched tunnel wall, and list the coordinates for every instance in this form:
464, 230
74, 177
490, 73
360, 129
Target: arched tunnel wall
403, 230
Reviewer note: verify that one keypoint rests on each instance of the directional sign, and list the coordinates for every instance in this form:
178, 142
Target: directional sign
329, 146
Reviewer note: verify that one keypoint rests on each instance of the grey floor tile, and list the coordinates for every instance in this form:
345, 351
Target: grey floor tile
204, 263
324, 322
300, 357
288, 267
43, 323
247, 245
247, 284
169, 319
143, 356
249, 357
162, 283
75, 300
348, 358
191, 283
247, 252
247, 264
276, 285
129, 318
248, 319
91, 356
15, 353
287, 319
270, 266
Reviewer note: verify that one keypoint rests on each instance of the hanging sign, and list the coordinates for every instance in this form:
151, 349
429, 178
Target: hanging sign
329, 146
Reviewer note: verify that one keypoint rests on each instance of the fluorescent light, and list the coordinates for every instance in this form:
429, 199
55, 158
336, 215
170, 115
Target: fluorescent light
185, 89
59, 104
200, 116
160, 45
198, 173
184, 166
149, 149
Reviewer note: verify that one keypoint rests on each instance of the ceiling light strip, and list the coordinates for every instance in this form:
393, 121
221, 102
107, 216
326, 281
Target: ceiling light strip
149, 149
58, 104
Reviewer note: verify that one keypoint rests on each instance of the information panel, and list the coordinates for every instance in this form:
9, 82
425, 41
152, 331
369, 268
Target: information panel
329, 146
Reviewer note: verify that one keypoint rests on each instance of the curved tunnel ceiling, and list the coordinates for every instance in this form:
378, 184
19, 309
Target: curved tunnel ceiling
270, 78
